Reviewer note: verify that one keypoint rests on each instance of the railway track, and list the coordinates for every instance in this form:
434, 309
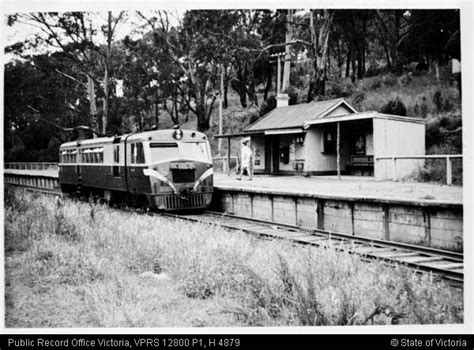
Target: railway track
444, 264
447, 265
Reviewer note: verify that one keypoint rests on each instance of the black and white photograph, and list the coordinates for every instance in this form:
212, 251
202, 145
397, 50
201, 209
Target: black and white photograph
274, 168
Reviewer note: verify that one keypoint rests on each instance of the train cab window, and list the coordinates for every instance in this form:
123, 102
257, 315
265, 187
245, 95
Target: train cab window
137, 154
116, 154
140, 153
163, 151
197, 151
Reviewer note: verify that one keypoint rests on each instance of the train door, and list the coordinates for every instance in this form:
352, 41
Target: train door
116, 166
78, 167
137, 160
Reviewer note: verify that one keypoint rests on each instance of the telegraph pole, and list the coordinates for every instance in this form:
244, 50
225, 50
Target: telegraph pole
221, 96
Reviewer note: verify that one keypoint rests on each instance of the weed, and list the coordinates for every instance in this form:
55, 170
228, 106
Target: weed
215, 277
395, 106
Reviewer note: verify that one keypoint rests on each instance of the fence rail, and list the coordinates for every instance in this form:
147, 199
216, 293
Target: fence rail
31, 166
448, 157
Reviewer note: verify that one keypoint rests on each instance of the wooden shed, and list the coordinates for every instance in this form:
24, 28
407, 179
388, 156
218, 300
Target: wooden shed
331, 137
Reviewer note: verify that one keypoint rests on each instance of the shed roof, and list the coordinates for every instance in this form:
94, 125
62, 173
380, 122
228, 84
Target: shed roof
363, 115
297, 116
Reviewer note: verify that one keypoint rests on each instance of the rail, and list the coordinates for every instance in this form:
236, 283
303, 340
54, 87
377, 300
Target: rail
31, 166
448, 157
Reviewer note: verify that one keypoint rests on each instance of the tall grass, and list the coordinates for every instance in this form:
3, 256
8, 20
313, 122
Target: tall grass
79, 265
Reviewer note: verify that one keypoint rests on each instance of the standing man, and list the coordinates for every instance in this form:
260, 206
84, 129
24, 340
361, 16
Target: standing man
246, 160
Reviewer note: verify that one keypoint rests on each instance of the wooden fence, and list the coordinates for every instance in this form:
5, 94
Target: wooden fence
448, 157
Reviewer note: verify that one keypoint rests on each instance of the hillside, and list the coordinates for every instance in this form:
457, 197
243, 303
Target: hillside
422, 96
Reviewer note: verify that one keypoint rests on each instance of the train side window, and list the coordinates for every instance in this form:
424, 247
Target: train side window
115, 167
136, 153
140, 153
133, 151
116, 154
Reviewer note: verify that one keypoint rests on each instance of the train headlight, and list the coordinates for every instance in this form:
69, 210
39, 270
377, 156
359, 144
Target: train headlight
178, 134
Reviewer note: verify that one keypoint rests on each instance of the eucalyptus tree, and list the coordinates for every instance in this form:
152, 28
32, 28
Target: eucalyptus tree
75, 35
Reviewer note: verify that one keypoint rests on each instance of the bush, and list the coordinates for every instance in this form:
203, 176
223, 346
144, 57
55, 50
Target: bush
444, 134
396, 107
373, 83
342, 88
268, 105
438, 100
390, 80
358, 98
434, 170
293, 95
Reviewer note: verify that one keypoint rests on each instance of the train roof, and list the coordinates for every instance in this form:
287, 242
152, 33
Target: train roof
154, 135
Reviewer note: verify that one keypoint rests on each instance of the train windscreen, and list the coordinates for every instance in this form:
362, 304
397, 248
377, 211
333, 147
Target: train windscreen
167, 151
197, 151
163, 152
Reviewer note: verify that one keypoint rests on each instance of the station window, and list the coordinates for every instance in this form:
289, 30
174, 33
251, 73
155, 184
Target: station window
285, 154
359, 145
329, 143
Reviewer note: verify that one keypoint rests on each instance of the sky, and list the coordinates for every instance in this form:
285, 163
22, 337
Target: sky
21, 31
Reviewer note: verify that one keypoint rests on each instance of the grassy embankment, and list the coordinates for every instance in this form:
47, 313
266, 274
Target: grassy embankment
79, 265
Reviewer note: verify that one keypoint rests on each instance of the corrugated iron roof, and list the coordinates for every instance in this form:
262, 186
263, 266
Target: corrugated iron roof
297, 115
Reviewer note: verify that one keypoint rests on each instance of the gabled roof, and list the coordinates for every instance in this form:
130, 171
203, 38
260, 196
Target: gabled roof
364, 115
297, 116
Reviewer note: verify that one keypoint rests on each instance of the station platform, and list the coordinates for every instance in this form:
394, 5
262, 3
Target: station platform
347, 186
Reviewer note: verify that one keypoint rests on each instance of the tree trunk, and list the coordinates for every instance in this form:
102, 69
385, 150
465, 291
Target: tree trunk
268, 85
320, 43
353, 59
387, 55
242, 90
348, 62
287, 62
105, 114
360, 62
92, 105
226, 87
203, 121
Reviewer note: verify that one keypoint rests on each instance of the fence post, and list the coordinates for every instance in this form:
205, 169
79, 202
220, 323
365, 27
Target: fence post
228, 156
394, 169
449, 172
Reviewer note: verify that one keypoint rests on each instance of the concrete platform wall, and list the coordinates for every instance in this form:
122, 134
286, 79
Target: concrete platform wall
436, 225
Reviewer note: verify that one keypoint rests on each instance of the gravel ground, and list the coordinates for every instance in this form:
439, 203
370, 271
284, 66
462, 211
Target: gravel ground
347, 186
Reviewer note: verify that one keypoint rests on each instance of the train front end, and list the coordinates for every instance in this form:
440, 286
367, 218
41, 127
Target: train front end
180, 171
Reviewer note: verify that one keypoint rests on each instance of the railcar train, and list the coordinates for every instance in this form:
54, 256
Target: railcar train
161, 169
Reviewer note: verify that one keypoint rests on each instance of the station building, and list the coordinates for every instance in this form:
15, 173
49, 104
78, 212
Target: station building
331, 137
